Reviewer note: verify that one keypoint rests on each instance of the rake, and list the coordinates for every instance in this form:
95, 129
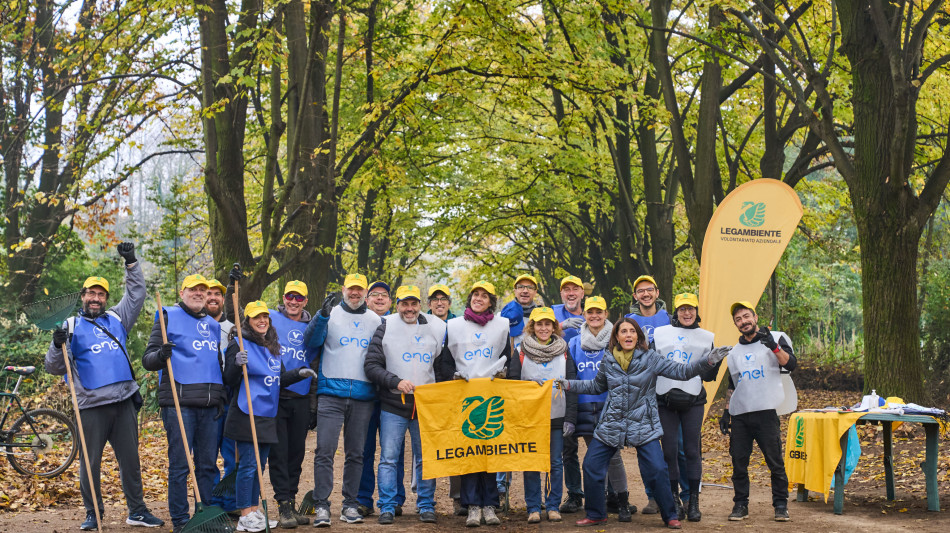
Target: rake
207, 518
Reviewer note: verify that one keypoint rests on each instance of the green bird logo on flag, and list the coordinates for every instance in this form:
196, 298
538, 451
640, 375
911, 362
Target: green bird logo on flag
484, 418
753, 214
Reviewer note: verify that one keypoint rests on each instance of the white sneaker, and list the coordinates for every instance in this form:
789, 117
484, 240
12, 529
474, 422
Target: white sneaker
251, 522
474, 516
488, 514
351, 516
271, 523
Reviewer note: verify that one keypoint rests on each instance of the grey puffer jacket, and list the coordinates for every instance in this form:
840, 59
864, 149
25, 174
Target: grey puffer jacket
630, 416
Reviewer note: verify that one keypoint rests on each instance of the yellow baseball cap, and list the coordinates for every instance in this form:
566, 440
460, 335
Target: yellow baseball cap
572, 279
595, 302
685, 298
405, 292
483, 285
355, 280
215, 284
296, 286
644, 278
526, 277
540, 313
438, 287
96, 281
255, 308
194, 280
742, 304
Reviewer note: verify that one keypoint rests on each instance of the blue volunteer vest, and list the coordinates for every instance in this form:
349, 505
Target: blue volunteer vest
588, 364
649, 323
100, 361
293, 351
563, 314
195, 355
263, 377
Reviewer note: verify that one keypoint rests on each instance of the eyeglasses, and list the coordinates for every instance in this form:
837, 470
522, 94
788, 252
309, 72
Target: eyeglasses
294, 297
440, 299
647, 290
523, 287
377, 294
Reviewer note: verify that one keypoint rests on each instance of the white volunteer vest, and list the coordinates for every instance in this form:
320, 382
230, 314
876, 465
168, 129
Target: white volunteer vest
757, 377
556, 368
681, 345
344, 350
476, 348
411, 349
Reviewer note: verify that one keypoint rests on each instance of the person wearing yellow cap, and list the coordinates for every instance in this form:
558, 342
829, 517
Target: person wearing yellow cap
587, 352
518, 310
106, 389
346, 396
544, 356
569, 312
477, 345
628, 375
680, 403
440, 302
266, 376
648, 309
755, 393
401, 357
290, 321
194, 350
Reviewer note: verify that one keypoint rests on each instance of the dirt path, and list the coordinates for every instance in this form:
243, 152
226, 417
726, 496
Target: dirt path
55, 506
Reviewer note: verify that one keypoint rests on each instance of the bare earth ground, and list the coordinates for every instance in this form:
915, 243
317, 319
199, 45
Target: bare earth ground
55, 506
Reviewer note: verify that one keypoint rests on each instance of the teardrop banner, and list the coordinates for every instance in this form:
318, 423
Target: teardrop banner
484, 425
745, 239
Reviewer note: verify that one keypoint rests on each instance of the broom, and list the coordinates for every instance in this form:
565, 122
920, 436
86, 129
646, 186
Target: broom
250, 410
207, 518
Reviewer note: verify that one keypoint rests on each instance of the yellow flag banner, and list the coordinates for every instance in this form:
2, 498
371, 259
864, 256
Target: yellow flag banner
744, 241
484, 425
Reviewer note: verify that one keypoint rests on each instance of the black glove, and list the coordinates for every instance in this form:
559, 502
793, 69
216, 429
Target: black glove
329, 303
235, 274
765, 336
165, 352
126, 251
220, 413
60, 337
725, 422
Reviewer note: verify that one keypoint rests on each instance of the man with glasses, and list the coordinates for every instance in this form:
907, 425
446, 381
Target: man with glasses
518, 310
569, 312
440, 301
293, 410
378, 298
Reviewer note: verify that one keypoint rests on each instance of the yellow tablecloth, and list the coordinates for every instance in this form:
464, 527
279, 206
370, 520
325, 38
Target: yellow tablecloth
813, 448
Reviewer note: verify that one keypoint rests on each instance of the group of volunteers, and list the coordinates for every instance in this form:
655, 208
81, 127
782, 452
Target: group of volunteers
352, 368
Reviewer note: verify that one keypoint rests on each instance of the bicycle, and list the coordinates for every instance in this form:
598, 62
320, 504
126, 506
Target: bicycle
41, 442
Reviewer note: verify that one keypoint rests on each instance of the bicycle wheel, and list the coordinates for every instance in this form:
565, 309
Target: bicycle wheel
42, 443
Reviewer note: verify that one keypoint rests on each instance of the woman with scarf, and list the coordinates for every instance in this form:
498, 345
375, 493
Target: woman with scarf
477, 346
587, 351
628, 375
543, 356
681, 402
266, 375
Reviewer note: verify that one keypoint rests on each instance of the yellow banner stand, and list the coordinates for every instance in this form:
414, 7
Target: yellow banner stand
484, 426
746, 237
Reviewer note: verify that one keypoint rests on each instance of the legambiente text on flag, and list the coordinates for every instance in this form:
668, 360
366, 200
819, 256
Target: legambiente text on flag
484, 425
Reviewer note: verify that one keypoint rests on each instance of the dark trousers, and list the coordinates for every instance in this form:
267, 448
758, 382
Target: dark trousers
116, 424
763, 428
652, 470
572, 467
689, 424
201, 428
479, 490
368, 477
286, 455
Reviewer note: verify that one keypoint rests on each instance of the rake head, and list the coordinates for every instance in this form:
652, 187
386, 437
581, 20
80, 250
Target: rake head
209, 519
307, 505
49, 314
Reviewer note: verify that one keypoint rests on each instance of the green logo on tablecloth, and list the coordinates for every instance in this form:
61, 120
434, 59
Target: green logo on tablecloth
800, 432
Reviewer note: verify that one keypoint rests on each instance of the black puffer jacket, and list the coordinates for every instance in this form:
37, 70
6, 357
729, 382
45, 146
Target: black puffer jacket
191, 395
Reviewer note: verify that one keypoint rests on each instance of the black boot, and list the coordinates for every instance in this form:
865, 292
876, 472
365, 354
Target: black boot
624, 509
692, 513
677, 502
285, 514
612, 499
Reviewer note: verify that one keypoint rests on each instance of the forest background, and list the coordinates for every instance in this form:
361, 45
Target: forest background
450, 141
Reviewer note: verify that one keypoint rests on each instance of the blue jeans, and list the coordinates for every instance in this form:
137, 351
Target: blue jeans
247, 488
532, 480
392, 442
368, 476
226, 448
683, 478
201, 429
652, 470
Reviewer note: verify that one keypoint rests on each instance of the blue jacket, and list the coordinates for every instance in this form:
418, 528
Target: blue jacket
589, 406
314, 336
